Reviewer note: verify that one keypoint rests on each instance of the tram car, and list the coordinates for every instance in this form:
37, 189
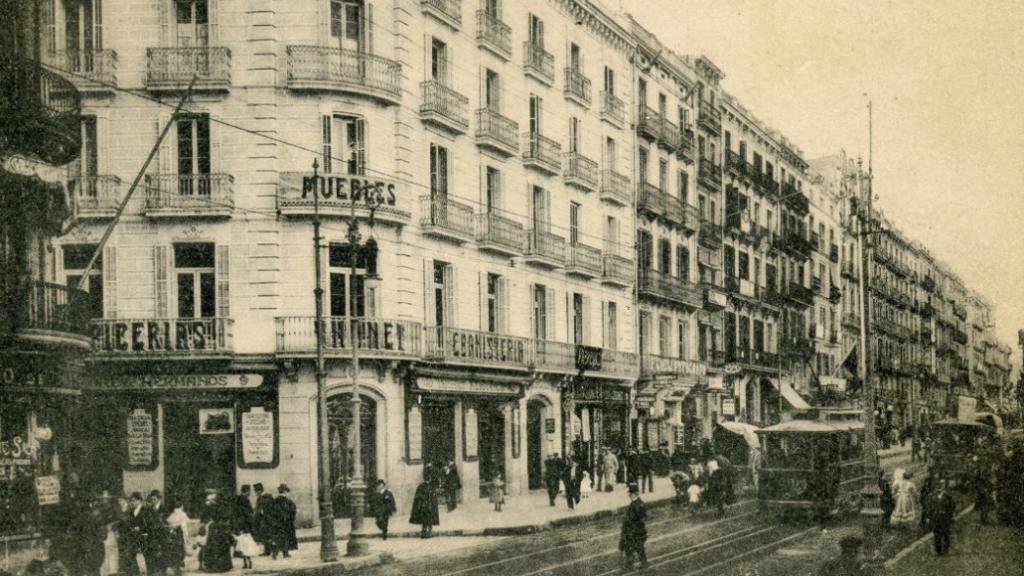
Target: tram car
956, 443
812, 467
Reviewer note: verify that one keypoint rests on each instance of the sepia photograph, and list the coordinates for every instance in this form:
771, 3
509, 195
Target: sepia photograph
512, 287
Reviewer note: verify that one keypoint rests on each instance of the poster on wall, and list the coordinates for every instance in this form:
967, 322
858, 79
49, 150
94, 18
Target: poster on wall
469, 440
415, 434
258, 436
140, 435
48, 490
728, 406
216, 421
515, 433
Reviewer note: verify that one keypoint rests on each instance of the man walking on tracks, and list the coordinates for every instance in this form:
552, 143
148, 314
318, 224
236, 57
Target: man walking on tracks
633, 538
942, 511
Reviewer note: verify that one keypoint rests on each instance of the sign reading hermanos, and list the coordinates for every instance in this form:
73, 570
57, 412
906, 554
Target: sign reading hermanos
176, 381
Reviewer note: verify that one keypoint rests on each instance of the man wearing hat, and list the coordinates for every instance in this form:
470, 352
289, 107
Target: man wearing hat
134, 533
847, 564
633, 538
284, 537
242, 511
261, 520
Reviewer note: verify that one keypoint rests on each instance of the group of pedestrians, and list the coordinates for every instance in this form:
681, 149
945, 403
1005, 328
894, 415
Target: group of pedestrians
704, 484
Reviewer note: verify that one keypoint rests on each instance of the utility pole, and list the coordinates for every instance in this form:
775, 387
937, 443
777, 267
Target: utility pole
328, 544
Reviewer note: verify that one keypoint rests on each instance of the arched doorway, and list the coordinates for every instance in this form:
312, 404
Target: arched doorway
340, 436
537, 411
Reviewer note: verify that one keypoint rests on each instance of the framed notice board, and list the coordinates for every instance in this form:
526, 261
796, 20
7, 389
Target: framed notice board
257, 434
141, 426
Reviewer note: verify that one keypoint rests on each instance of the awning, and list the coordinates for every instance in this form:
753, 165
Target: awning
748, 431
790, 395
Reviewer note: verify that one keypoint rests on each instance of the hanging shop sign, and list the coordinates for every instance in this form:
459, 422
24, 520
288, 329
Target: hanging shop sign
258, 435
728, 406
588, 357
48, 490
732, 369
140, 436
175, 381
471, 387
15, 449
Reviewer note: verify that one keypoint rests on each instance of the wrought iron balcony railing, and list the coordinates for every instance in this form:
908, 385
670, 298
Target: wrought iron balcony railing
95, 196
670, 288
477, 348
584, 261
493, 34
444, 106
375, 337
447, 11
669, 137
577, 86
710, 118
89, 69
618, 270
183, 195
351, 71
687, 145
580, 171
538, 63
542, 153
443, 217
800, 294
496, 132
615, 188
163, 336
613, 108
710, 234
499, 234
173, 68
709, 174
44, 104
648, 123
650, 199
44, 310
545, 248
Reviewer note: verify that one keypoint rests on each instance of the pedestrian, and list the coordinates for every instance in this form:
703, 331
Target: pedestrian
452, 485
725, 466
91, 532
915, 448
247, 548
156, 534
586, 485
134, 536
611, 469
982, 487
756, 462
113, 516
646, 461
552, 476
497, 492
178, 547
927, 491
261, 518
680, 482
383, 506
848, 563
697, 472
905, 492
693, 492
943, 511
633, 537
243, 511
886, 500
424, 505
716, 487
216, 552
569, 480
632, 467
285, 539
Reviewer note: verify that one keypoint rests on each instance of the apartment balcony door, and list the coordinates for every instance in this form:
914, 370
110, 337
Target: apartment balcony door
193, 155
347, 26
196, 280
83, 33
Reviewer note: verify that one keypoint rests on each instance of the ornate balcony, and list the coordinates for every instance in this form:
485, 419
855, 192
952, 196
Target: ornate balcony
538, 63
95, 197
796, 347
735, 164
45, 313
670, 289
615, 188
584, 261
500, 235
669, 137
928, 283
577, 87
680, 214
542, 154
338, 192
89, 70
375, 337
851, 320
163, 337
580, 171
444, 107
496, 132
173, 68
613, 109
710, 118
710, 234
190, 195
475, 348
618, 271
442, 217
653, 365
648, 123
793, 243
447, 11
795, 199
800, 294
47, 108
687, 146
709, 174
651, 200
331, 69
545, 249
493, 34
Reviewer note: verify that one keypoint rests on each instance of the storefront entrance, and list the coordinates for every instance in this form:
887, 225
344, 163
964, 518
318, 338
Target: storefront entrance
490, 444
339, 415
535, 413
199, 451
438, 433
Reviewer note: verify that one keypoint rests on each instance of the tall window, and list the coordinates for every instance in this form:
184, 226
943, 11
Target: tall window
75, 259
574, 223
492, 8
194, 275
610, 153
536, 31
642, 164
683, 262
492, 91
574, 134
492, 302
577, 319
744, 333
664, 336
684, 187
83, 33
575, 58
759, 336
439, 61
662, 105
193, 154
493, 190
339, 262
744, 265
663, 175
684, 332
642, 92
611, 235
438, 171
539, 302
441, 277
611, 320
344, 144
192, 18
609, 81
535, 113
541, 209
348, 30
665, 256
89, 162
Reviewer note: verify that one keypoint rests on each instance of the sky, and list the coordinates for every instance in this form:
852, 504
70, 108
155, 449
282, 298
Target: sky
946, 80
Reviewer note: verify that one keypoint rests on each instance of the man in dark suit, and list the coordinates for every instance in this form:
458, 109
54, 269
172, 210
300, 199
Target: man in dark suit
383, 507
633, 538
263, 519
646, 472
156, 536
283, 513
569, 472
552, 475
242, 512
134, 533
943, 509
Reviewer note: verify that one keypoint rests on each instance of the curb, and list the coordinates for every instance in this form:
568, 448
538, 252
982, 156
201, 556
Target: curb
329, 568
890, 564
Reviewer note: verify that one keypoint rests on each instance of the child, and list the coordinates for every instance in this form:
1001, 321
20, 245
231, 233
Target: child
586, 485
247, 547
497, 492
693, 492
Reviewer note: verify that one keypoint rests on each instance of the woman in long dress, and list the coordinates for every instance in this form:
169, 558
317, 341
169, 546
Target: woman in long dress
905, 493
424, 505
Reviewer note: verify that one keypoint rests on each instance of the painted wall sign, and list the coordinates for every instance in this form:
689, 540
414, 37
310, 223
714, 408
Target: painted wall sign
48, 490
152, 336
484, 347
175, 381
257, 436
466, 387
15, 448
728, 407
414, 434
141, 438
358, 189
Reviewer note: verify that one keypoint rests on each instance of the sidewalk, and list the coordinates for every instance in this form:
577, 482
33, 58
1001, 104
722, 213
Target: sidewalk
520, 514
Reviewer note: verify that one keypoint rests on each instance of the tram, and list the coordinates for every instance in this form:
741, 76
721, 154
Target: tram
812, 466
956, 443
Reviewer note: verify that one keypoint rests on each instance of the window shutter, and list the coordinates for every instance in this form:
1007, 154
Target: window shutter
569, 332
369, 29
450, 297
166, 157
429, 308
110, 282
216, 145
223, 283
503, 292
161, 264
212, 27
102, 137
549, 313
533, 312
360, 148
604, 325
587, 336
328, 149
166, 39
483, 301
